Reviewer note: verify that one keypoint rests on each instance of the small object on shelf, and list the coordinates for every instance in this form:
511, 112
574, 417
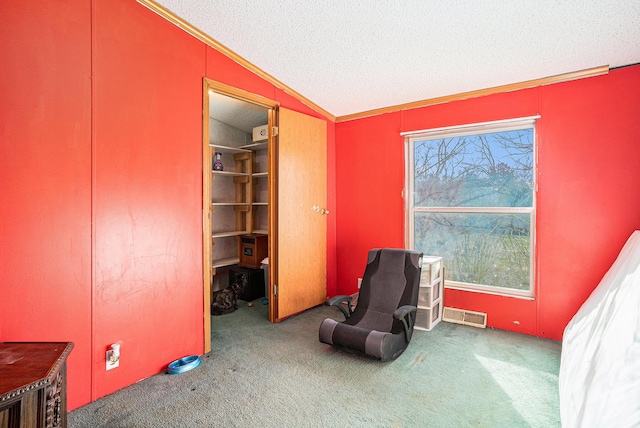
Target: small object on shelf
253, 249
260, 133
217, 163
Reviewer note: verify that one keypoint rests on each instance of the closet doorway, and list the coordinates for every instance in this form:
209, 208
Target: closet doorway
264, 184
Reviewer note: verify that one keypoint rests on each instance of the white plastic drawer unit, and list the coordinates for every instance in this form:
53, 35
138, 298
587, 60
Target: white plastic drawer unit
428, 294
431, 270
427, 318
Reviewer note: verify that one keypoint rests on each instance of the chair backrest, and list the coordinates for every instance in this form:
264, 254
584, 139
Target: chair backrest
391, 279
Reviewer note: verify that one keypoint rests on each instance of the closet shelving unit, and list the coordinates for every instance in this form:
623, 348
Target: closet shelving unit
259, 188
236, 209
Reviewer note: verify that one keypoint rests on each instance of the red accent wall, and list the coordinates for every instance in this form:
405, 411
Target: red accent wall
45, 174
101, 209
588, 176
589, 181
147, 193
370, 204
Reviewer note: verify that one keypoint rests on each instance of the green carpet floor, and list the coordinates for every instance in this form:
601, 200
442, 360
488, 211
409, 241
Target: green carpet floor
279, 375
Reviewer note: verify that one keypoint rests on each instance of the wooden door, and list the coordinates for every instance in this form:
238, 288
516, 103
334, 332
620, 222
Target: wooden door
301, 213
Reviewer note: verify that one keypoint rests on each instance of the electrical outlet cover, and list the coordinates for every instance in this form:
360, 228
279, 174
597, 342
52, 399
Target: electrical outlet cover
111, 364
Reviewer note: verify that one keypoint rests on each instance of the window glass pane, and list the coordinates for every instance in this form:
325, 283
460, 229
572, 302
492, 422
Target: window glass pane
486, 249
484, 170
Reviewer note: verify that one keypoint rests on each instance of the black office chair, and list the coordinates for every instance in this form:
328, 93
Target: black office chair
382, 323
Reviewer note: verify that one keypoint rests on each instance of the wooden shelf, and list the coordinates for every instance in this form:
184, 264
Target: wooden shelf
229, 149
230, 204
225, 262
256, 146
229, 234
232, 187
231, 173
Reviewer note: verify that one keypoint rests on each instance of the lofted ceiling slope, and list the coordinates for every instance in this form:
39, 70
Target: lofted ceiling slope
350, 56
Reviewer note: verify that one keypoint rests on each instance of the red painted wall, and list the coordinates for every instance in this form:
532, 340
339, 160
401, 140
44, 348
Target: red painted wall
588, 174
147, 193
101, 210
370, 204
45, 171
589, 179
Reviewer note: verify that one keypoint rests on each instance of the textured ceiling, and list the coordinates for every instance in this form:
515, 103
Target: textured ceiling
349, 56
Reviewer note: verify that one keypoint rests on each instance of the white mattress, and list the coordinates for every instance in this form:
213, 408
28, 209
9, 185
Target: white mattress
599, 377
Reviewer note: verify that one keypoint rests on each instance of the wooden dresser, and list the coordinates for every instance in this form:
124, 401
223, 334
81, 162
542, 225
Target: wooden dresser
33, 384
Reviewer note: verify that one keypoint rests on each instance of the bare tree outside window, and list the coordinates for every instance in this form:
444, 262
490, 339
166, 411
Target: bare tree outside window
473, 199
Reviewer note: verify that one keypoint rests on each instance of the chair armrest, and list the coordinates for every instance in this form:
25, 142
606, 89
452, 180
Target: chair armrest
402, 311
404, 314
337, 300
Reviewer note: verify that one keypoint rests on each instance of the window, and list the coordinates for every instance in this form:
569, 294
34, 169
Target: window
471, 200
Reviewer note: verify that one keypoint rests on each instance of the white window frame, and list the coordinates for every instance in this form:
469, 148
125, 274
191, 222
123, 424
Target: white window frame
457, 131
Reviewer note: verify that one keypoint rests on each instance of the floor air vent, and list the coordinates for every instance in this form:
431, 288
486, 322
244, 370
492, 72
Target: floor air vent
459, 316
